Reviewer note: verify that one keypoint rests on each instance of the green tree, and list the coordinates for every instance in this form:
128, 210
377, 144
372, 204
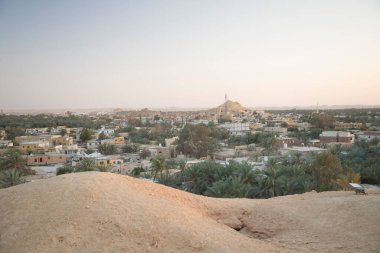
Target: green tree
269, 143
136, 172
200, 176
196, 140
130, 148
85, 135
271, 179
322, 120
158, 165
326, 169
107, 149
63, 132
232, 187
87, 164
13, 160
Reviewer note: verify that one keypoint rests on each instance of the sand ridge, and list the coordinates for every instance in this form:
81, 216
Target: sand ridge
104, 212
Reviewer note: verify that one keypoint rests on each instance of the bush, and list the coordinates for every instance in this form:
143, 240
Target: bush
10, 178
130, 148
107, 149
87, 164
65, 170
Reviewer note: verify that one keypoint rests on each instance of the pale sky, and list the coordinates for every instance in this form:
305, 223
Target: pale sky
135, 54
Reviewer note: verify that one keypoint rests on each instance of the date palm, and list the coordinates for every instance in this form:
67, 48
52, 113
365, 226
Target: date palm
10, 178
158, 165
13, 160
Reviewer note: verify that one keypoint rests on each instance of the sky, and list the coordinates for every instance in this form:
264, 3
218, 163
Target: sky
188, 54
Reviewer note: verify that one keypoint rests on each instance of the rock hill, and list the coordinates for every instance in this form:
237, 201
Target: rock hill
232, 108
103, 212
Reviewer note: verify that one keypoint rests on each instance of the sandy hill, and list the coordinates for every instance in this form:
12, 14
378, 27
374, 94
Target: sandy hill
103, 212
233, 107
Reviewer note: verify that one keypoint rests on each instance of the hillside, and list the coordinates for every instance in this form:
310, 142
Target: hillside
103, 212
232, 108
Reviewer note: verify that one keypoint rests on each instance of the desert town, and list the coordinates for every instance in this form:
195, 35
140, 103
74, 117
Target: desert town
132, 139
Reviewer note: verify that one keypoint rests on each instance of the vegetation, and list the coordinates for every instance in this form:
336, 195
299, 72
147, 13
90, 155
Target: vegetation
107, 149
63, 132
13, 160
102, 136
326, 169
136, 172
44, 120
157, 134
130, 148
10, 178
197, 141
363, 158
65, 170
87, 164
144, 153
322, 120
158, 166
15, 125
85, 135
104, 168
291, 175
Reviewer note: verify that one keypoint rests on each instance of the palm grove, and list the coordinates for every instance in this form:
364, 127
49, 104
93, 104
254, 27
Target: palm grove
283, 175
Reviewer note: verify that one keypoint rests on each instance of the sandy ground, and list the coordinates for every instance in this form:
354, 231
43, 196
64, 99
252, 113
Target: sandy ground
104, 212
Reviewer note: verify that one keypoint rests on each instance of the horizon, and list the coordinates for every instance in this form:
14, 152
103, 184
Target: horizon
175, 108
123, 54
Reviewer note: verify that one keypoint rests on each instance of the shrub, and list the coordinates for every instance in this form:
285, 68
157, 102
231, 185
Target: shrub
65, 170
10, 178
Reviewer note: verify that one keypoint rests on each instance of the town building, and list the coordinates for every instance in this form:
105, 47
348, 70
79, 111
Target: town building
34, 146
368, 135
46, 159
236, 128
283, 131
336, 137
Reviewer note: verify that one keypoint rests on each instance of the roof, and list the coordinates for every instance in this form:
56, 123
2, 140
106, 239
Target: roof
335, 133
305, 149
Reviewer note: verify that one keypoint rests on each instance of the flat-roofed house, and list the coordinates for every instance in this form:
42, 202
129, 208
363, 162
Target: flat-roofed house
336, 137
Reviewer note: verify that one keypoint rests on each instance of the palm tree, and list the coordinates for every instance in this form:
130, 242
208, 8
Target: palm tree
13, 160
10, 178
271, 180
158, 165
200, 176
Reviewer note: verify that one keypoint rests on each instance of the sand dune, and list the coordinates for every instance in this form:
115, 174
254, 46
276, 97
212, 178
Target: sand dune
103, 212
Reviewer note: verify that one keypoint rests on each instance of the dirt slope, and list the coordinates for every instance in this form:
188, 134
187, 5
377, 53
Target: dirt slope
102, 212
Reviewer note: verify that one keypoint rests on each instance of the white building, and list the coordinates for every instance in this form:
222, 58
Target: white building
236, 128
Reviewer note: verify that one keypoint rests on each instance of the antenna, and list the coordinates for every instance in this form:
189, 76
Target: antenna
225, 105
317, 108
